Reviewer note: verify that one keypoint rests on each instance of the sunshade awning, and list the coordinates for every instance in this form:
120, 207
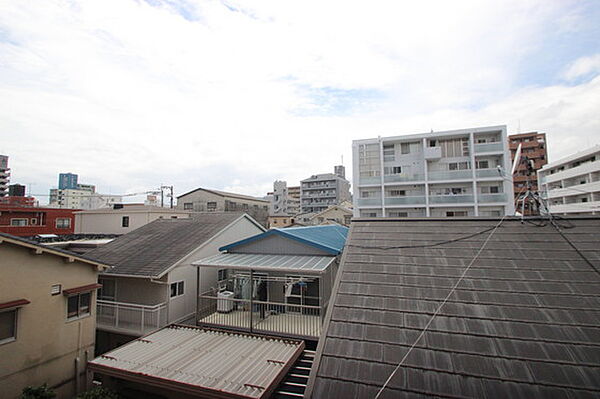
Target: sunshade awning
274, 263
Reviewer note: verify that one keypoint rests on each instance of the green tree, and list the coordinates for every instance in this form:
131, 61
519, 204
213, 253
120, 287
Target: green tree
98, 393
41, 392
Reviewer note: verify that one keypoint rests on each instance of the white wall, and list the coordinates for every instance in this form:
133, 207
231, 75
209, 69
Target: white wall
112, 223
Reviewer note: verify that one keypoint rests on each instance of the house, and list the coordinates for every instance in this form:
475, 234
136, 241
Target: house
453, 173
333, 214
277, 282
47, 317
571, 185
205, 200
181, 362
151, 282
122, 218
28, 221
469, 308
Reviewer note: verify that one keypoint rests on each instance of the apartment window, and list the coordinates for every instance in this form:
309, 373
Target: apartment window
372, 214
397, 193
211, 206
494, 190
392, 170
433, 143
366, 194
33, 220
176, 289
456, 213
388, 152
398, 214
125, 221
483, 141
405, 148
78, 305
188, 206
8, 326
482, 164
222, 275
18, 222
63, 223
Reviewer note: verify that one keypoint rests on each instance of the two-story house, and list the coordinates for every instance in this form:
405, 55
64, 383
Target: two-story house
47, 317
151, 282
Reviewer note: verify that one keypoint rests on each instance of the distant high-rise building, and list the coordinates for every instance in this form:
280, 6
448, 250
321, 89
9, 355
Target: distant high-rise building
442, 174
285, 201
67, 181
4, 175
319, 192
16, 190
533, 147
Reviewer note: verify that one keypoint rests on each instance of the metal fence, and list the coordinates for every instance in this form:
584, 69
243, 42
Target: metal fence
131, 317
260, 316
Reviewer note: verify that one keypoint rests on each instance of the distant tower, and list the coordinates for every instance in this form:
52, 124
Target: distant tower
4, 175
340, 170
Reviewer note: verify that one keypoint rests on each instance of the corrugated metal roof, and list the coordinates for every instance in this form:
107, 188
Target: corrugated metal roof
330, 238
221, 362
281, 263
523, 322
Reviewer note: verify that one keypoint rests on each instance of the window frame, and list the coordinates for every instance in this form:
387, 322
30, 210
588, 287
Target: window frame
79, 314
125, 221
61, 224
12, 220
12, 338
179, 286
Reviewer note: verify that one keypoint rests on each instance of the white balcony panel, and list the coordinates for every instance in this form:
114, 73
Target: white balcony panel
432, 153
488, 147
488, 198
404, 200
451, 199
451, 175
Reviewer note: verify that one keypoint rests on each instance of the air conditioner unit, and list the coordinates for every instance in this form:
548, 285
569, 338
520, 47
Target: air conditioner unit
225, 302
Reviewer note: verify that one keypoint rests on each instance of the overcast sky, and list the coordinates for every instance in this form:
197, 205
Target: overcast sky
233, 95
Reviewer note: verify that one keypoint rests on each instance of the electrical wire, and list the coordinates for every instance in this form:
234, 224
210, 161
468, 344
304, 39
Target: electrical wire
437, 311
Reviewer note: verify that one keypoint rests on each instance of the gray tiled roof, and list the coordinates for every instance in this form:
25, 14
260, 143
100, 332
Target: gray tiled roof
524, 321
151, 249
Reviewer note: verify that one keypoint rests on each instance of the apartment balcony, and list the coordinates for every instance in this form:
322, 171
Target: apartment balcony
412, 200
369, 202
326, 195
492, 172
130, 318
488, 198
432, 153
488, 147
451, 175
451, 199
369, 180
403, 178
260, 316
318, 186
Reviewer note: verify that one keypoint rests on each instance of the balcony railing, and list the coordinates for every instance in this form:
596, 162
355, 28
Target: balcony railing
494, 172
402, 178
260, 316
405, 200
450, 174
486, 198
488, 147
451, 199
369, 202
369, 180
130, 317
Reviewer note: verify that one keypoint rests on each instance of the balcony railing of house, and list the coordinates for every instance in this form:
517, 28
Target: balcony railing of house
260, 316
451, 199
488, 147
130, 317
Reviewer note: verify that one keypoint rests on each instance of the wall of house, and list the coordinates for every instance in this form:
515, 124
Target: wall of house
277, 245
47, 345
112, 222
140, 291
181, 308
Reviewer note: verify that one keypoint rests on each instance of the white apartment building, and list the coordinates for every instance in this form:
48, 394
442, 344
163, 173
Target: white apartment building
81, 199
571, 185
443, 174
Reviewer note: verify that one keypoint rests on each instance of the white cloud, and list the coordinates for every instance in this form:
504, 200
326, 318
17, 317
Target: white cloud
583, 66
131, 95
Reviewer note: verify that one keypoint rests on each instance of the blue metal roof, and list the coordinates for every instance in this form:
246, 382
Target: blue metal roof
329, 238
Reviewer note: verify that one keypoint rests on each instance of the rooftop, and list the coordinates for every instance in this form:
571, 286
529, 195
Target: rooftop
469, 307
225, 194
274, 263
203, 361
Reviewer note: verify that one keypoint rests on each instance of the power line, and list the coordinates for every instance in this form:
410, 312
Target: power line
439, 308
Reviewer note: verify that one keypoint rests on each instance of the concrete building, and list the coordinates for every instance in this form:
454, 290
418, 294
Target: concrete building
47, 317
285, 201
442, 174
205, 200
122, 218
571, 185
67, 181
4, 175
28, 221
152, 282
318, 192
534, 148
81, 198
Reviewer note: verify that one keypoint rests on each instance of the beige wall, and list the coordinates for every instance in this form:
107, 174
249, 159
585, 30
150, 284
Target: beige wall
111, 222
47, 344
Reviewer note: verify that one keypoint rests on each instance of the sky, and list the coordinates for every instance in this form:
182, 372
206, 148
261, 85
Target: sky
233, 95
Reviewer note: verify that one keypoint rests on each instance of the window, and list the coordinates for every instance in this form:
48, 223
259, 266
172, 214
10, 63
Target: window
33, 220
211, 206
8, 326
405, 148
433, 143
459, 166
398, 214
188, 206
18, 222
63, 223
494, 190
392, 170
222, 275
397, 193
108, 289
482, 164
125, 221
388, 152
456, 213
372, 214
176, 289
78, 305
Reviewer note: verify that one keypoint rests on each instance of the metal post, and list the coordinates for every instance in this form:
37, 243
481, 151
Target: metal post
251, 297
171, 188
143, 311
197, 293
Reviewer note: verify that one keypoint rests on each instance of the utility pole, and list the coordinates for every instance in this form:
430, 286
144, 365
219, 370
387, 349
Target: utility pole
171, 196
161, 196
